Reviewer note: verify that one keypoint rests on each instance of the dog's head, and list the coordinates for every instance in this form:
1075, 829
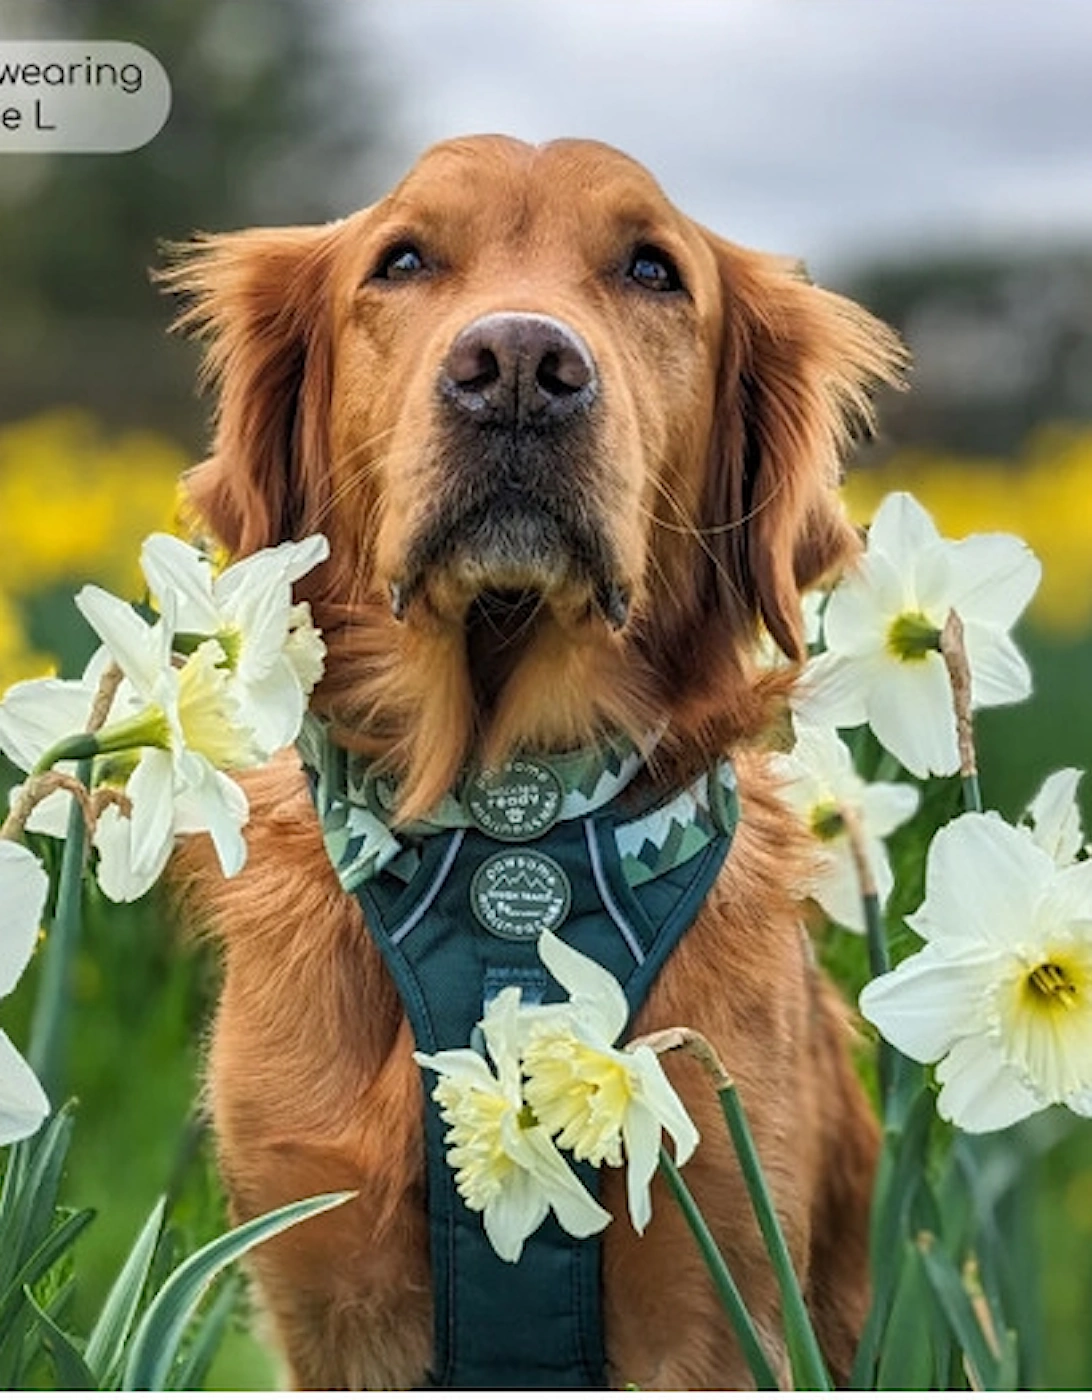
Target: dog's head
570, 449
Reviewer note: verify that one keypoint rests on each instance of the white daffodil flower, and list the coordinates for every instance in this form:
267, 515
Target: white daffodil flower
505, 1165
882, 627
271, 647
1054, 817
24, 888
188, 730
36, 715
594, 1099
1001, 994
821, 784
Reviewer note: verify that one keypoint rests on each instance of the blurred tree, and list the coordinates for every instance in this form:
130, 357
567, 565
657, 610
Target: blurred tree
275, 118
1001, 344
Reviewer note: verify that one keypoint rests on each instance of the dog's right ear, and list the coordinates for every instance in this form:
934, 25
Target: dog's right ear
259, 299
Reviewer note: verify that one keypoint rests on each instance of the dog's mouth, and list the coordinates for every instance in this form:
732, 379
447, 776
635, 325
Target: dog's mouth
498, 571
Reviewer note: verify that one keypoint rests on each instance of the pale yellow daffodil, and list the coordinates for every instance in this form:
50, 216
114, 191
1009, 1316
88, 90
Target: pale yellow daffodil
505, 1165
601, 1103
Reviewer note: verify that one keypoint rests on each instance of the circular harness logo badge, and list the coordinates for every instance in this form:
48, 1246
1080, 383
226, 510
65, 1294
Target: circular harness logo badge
517, 894
517, 802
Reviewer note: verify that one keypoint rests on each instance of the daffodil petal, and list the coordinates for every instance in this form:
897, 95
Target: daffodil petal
1069, 897
836, 886
901, 529
979, 1092
287, 562
577, 1211
175, 570
465, 1065
219, 799
929, 1001
855, 619
50, 815
930, 585
999, 673
35, 714
663, 1100
886, 806
516, 1212
23, 1103
24, 888
116, 873
910, 709
503, 1029
1080, 1103
994, 579
833, 690
597, 998
142, 651
274, 705
983, 880
151, 791
1056, 818
642, 1135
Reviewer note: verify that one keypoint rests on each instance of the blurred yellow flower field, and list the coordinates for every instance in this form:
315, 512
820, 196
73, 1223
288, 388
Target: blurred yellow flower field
75, 503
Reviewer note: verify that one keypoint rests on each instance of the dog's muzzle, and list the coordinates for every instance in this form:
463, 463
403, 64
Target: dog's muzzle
517, 505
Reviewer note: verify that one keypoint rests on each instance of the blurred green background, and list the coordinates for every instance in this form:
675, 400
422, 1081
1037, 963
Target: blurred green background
274, 121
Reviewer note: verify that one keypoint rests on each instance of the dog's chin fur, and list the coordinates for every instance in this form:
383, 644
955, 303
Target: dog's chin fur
691, 510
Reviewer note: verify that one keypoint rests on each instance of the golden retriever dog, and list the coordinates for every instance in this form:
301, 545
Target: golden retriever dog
573, 452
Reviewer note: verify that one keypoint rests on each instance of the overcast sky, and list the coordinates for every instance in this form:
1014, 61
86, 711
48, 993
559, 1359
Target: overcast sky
831, 129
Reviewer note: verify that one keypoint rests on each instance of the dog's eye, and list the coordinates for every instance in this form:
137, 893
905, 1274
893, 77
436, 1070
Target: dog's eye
654, 270
400, 264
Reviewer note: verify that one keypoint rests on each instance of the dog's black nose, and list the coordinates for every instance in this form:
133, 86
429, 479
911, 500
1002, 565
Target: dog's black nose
514, 368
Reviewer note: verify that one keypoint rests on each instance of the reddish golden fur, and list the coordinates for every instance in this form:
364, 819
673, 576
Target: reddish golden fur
710, 471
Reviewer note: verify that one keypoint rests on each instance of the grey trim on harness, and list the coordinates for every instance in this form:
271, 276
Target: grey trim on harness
605, 895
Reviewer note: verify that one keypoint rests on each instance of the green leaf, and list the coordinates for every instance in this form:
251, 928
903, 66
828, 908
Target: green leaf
201, 1351
154, 1347
906, 1359
14, 1176
47, 1050
68, 1364
900, 1174
30, 1211
725, 1285
955, 1304
1008, 1367
43, 1259
107, 1341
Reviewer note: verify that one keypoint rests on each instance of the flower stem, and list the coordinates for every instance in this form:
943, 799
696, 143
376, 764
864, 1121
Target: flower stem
954, 651
723, 1282
79, 746
49, 1024
808, 1367
879, 958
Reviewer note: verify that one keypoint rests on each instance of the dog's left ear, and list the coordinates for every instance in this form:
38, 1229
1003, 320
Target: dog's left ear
799, 365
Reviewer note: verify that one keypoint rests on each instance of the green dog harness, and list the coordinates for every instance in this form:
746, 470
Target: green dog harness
455, 905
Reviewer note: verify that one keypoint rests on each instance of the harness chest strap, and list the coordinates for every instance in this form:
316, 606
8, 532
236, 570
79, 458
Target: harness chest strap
455, 911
